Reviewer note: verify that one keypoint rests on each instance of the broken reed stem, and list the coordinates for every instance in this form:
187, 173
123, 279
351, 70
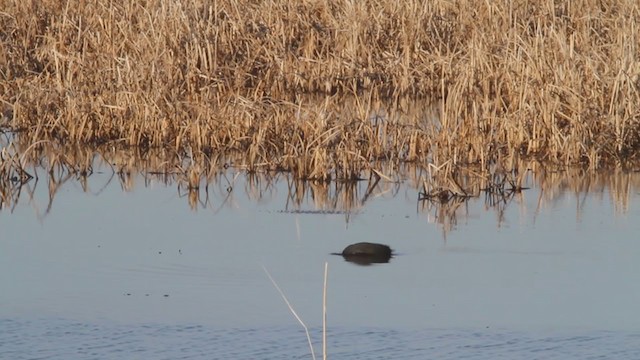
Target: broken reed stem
324, 312
306, 330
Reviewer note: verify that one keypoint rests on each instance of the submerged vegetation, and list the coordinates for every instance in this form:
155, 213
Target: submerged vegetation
325, 90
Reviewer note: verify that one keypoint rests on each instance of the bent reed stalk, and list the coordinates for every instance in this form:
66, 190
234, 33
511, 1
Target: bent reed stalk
293, 311
323, 89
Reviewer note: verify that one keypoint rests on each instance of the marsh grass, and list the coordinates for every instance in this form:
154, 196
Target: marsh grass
324, 89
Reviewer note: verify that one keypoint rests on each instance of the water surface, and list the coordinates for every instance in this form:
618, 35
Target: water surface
109, 273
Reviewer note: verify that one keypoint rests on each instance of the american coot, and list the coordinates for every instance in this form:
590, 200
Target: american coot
365, 253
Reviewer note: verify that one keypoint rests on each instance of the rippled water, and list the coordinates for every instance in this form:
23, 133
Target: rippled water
60, 339
139, 275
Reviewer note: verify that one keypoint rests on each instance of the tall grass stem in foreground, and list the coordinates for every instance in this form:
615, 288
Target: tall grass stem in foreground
324, 312
293, 311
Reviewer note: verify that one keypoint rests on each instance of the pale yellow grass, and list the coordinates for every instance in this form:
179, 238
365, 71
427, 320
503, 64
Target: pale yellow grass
295, 85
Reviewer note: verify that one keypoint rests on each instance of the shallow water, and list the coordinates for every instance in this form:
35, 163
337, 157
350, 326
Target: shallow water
63, 339
108, 273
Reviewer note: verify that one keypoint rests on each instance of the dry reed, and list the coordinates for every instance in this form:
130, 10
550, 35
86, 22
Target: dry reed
293, 311
323, 89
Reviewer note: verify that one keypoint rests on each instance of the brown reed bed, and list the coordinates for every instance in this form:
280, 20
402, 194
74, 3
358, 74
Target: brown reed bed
324, 89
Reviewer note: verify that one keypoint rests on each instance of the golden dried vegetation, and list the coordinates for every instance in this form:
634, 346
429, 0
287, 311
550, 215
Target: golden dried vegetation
327, 89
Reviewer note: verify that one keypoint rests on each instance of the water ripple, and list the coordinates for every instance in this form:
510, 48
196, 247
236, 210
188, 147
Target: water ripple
62, 339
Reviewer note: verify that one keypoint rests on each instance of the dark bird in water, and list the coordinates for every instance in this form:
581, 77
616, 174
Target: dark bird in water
365, 253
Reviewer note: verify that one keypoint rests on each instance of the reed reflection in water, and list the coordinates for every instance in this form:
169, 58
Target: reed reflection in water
439, 193
142, 252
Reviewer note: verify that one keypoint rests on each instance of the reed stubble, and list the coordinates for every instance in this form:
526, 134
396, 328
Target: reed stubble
325, 89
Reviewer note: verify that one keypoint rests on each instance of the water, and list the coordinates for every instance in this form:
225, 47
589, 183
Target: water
63, 339
106, 273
